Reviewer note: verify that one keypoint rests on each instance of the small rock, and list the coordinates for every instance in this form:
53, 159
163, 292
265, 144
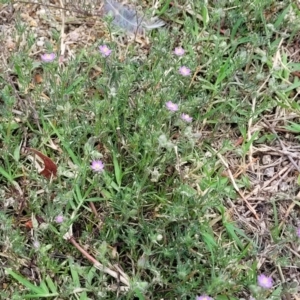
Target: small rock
283, 186
74, 36
41, 12
40, 43
269, 172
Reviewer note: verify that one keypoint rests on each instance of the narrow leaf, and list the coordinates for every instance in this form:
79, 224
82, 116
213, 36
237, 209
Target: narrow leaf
118, 171
25, 282
43, 285
5, 174
41, 295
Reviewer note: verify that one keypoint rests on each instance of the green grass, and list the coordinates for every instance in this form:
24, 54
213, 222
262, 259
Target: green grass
163, 202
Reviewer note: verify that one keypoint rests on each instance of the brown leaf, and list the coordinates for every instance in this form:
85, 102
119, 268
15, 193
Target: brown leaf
239, 141
38, 78
50, 168
29, 224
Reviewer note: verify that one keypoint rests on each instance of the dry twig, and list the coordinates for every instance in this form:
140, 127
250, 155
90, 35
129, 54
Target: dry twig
235, 185
282, 145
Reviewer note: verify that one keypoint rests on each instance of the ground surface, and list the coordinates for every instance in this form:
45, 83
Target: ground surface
181, 209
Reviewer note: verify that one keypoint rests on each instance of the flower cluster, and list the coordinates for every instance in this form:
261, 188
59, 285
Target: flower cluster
183, 70
174, 107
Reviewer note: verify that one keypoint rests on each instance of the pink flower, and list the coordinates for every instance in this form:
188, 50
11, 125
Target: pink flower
48, 57
105, 51
59, 219
265, 281
171, 106
184, 71
298, 232
97, 166
179, 51
204, 297
186, 118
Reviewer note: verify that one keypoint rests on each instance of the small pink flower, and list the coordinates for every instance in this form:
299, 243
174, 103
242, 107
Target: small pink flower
184, 71
204, 297
298, 232
105, 51
97, 165
186, 118
179, 51
48, 57
59, 219
172, 106
265, 281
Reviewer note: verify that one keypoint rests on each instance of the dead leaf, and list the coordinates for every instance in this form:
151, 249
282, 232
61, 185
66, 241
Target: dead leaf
38, 78
239, 141
29, 224
50, 168
33, 23
10, 45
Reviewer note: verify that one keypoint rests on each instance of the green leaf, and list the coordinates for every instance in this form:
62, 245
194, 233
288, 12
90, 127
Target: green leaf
16, 154
139, 294
205, 15
44, 287
90, 275
209, 240
25, 282
70, 152
223, 297
51, 284
235, 27
164, 8
96, 199
42, 295
281, 17
224, 71
73, 85
115, 186
231, 229
83, 296
293, 86
118, 170
6, 175
293, 127
74, 274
